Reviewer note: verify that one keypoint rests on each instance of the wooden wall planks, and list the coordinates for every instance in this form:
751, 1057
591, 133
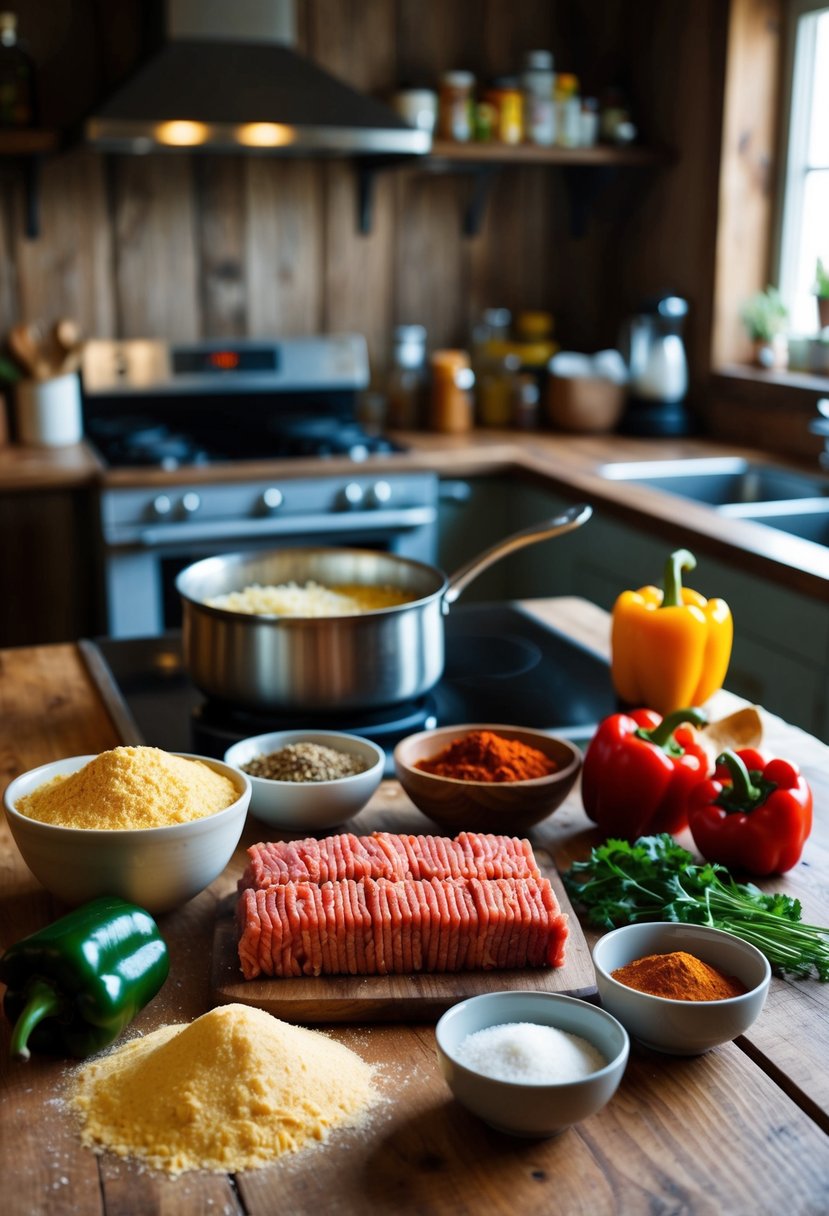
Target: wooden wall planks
185, 246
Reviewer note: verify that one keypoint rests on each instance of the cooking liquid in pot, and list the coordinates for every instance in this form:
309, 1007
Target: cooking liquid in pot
310, 599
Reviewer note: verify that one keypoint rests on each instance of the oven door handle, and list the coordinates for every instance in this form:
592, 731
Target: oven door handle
403, 520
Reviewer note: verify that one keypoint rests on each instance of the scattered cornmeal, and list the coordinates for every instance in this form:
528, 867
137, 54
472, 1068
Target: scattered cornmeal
130, 787
231, 1091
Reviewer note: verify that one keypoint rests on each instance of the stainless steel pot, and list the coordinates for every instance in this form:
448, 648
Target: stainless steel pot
296, 664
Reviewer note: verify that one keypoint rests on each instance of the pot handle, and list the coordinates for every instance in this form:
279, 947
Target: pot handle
572, 518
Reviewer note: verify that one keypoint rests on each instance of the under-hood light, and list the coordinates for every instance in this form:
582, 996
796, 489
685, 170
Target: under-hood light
181, 133
265, 134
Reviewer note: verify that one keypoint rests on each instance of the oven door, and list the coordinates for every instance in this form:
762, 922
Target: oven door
141, 559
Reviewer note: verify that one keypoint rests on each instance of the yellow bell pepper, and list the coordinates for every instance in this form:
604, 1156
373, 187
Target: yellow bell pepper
669, 649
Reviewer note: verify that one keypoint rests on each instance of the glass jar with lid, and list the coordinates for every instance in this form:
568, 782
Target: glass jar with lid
406, 381
451, 406
456, 106
538, 84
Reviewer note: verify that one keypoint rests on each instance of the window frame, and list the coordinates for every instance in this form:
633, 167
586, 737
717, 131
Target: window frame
790, 191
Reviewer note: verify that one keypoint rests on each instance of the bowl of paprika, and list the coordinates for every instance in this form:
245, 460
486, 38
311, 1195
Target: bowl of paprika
483, 777
680, 989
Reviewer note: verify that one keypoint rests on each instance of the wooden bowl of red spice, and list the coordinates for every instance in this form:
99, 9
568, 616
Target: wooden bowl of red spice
680, 989
490, 778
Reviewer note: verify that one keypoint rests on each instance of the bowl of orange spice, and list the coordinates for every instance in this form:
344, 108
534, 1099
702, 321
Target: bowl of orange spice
482, 777
680, 989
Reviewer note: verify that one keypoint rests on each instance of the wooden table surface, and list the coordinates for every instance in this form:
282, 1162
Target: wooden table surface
742, 1129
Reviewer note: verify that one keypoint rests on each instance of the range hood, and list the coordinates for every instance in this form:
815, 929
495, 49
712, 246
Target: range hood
226, 78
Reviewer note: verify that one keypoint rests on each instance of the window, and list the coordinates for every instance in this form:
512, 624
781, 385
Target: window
804, 228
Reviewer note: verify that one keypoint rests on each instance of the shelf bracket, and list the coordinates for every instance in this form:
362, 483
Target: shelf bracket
473, 218
366, 178
367, 169
31, 197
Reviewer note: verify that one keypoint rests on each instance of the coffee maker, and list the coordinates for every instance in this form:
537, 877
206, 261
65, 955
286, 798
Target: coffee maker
652, 344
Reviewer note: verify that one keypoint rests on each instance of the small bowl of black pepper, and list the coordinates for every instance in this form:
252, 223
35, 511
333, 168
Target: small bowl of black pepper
308, 780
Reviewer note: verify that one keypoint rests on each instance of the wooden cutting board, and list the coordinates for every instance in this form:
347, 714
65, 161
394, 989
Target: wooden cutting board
392, 998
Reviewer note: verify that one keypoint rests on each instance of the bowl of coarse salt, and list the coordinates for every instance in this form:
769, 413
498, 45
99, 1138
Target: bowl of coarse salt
531, 1063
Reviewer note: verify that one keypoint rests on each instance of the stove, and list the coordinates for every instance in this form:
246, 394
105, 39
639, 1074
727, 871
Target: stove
152, 404
502, 666
153, 408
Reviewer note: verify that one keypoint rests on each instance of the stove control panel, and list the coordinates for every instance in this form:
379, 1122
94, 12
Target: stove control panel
148, 367
301, 505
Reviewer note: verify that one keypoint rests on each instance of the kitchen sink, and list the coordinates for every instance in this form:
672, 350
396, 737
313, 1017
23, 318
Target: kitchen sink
721, 480
807, 518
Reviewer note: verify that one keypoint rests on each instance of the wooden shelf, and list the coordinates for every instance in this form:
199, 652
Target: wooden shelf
28, 142
586, 171
601, 155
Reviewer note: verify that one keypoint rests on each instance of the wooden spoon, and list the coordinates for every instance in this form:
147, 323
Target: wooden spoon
67, 334
26, 351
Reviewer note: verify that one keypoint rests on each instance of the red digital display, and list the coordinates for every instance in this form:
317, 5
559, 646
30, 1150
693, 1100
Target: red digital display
224, 360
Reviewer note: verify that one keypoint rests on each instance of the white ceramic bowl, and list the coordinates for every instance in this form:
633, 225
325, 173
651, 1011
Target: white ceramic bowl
681, 1028
156, 868
309, 805
523, 1109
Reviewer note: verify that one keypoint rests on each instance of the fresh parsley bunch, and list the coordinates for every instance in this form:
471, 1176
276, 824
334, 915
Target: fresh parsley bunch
657, 879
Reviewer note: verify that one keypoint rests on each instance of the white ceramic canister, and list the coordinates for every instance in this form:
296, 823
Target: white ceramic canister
48, 412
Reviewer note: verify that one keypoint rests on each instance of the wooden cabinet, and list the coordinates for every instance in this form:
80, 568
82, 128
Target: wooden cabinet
47, 559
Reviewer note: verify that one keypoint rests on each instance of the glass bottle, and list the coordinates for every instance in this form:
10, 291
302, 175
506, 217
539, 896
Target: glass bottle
451, 408
538, 83
455, 106
568, 111
406, 383
17, 87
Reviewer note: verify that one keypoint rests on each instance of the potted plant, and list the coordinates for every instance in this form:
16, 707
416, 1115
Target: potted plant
821, 290
764, 316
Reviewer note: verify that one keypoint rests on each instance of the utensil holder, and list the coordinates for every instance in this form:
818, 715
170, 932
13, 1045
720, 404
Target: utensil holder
48, 412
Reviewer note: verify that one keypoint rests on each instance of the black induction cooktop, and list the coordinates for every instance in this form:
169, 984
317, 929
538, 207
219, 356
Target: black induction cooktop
502, 666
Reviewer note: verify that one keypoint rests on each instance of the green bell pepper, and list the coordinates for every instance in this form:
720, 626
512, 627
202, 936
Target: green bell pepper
72, 987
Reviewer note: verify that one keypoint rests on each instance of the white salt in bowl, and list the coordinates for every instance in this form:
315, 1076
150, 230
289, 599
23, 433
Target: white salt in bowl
309, 806
156, 868
681, 1028
522, 1108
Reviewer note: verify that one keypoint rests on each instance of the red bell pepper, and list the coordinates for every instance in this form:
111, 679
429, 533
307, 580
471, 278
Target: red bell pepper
639, 769
753, 815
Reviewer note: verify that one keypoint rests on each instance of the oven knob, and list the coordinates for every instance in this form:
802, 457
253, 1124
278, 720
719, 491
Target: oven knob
379, 495
271, 500
190, 503
352, 496
161, 506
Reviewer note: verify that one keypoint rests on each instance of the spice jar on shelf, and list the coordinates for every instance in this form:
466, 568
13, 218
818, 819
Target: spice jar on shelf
538, 83
451, 408
568, 110
507, 100
456, 106
406, 381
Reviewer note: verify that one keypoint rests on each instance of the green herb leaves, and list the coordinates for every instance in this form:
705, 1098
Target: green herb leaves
657, 879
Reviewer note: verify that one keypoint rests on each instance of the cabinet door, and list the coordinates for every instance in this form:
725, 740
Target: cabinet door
47, 557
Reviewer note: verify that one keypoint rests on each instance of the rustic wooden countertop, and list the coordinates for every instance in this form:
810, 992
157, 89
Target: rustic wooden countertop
742, 1129
566, 463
